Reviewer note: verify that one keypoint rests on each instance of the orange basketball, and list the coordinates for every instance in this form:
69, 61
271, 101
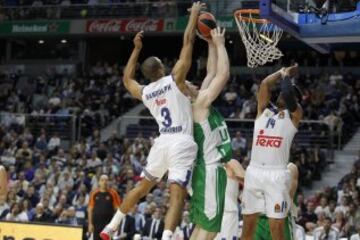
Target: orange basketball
206, 22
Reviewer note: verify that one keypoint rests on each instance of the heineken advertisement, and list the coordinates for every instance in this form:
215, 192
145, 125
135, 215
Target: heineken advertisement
227, 22
35, 27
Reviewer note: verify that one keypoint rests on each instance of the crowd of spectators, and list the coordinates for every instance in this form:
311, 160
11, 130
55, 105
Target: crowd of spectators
333, 210
75, 9
97, 96
52, 185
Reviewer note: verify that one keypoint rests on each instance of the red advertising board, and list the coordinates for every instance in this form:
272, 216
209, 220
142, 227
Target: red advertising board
124, 25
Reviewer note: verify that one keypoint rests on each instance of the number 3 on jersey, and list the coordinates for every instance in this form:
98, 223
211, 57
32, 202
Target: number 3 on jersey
165, 113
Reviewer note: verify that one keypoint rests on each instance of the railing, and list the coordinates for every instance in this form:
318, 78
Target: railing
62, 125
170, 9
311, 133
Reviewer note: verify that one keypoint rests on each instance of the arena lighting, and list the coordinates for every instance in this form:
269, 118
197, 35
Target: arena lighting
63, 41
41, 41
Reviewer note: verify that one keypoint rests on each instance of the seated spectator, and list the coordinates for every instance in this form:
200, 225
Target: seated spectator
71, 217
154, 226
323, 207
127, 228
186, 226
17, 214
24, 153
139, 219
4, 208
343, 207
32, 196
28, 209
94, 161
353, 216
239, 143
81, 210
326, 232
340, 222
40, 214
309, 219
54, 142
143, 205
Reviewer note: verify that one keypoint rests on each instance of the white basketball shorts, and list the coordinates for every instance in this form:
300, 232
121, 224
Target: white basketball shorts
174, 153
266, 191
229, 227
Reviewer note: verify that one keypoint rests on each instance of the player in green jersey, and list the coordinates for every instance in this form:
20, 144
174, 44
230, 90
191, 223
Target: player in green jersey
214, 144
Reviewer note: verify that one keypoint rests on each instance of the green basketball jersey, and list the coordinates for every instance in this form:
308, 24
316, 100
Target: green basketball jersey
213, 139
209, 176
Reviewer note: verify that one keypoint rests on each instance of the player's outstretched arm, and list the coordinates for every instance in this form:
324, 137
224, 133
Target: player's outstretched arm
183, 65
3, 184
129, 72
264, 94
288, 93
217, 84
211, 63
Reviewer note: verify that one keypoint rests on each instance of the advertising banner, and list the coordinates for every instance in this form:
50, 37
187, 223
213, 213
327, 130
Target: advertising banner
35, 27
27, 231
125, 25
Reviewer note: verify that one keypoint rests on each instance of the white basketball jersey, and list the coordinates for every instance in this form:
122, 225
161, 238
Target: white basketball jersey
272, 139
169, 106
231, 196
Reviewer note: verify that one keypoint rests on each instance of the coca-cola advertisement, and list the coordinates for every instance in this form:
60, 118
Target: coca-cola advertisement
125, 25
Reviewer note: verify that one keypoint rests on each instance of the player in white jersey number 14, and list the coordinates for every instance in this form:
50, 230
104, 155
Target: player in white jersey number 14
267, 181
174, 151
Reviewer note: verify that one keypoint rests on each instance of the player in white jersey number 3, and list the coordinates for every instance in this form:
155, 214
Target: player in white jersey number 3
267, 181
174, 150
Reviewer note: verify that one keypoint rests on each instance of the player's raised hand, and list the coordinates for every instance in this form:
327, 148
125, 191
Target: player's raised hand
218, 36
138, 40
292, 70
197, 7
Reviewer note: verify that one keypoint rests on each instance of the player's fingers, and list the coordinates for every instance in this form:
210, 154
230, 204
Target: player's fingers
139, 34
218, 30
223, 32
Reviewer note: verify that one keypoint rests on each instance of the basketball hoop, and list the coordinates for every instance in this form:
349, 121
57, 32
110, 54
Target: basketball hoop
259, 36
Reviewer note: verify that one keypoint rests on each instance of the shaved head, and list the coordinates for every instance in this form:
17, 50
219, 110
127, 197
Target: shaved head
152, 68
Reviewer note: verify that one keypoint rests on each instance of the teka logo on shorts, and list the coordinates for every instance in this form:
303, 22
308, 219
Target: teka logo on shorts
268, 141
277, 208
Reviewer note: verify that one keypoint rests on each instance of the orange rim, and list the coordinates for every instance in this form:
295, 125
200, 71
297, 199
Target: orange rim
238, 15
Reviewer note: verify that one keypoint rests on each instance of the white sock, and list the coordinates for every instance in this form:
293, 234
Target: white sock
115, 221
167, 235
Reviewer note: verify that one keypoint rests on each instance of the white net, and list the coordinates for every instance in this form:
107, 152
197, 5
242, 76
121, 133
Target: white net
259, 36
